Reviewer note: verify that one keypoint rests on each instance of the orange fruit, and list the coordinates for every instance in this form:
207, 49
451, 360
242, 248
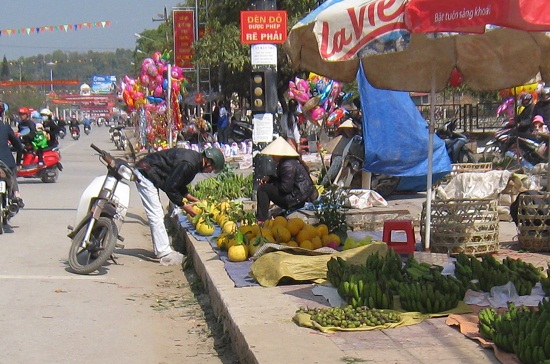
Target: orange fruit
316, 242
306, 244
303, 235
294, 225
322, 229
280, 233
279, 221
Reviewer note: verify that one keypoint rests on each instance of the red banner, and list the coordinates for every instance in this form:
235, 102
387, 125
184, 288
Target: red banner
39, 83
184, 36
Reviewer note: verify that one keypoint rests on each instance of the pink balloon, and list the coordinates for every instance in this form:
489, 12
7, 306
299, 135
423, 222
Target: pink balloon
159, 79
161, 68
158, 91
152, 70
126, 79
318, 113
176, 72
129, 88
144, 79
146, 63
156, 56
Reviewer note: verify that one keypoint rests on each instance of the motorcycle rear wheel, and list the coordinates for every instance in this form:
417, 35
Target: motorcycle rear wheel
102, 244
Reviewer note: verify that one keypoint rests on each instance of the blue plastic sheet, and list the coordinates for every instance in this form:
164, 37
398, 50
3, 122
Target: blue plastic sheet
396, 138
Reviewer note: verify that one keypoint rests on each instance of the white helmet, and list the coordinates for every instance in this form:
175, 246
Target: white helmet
46, 112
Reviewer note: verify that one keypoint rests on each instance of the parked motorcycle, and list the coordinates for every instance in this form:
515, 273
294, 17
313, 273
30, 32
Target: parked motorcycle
8, 208
347, 175
456, 143
99, 217
75, 132
241, 131
515, 150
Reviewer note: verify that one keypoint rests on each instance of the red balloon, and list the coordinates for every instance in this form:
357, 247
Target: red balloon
456, 78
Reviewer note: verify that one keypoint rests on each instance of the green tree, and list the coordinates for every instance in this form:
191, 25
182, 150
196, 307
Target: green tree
5, 72
220, 48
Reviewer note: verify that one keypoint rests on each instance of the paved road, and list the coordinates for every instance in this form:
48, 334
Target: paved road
136, 312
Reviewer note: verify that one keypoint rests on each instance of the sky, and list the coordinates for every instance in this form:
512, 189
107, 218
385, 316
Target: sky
127, 17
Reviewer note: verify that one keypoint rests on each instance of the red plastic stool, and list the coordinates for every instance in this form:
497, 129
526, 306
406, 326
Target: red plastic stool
401, 247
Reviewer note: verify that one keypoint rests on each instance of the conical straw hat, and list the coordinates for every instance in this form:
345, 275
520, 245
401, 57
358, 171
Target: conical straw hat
280, 147
347, 124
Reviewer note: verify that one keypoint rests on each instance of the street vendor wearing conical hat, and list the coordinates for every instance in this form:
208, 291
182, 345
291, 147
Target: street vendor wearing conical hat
291, 188
347, 130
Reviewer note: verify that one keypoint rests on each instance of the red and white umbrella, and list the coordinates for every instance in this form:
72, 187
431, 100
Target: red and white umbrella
422, 45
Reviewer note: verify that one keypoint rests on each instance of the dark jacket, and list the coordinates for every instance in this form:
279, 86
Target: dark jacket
542, 108
52, 127
6, 156
171, 171
27, 124
295, 183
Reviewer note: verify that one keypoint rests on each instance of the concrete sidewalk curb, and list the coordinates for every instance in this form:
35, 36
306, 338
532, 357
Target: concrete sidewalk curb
259, 322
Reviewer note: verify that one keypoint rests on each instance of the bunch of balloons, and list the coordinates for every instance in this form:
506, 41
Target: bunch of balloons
149, 89
320, 99
511, 104
149, 92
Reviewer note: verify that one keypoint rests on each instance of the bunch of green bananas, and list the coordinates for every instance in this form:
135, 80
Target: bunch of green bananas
519, 330
431, 296
489, 272
373, 284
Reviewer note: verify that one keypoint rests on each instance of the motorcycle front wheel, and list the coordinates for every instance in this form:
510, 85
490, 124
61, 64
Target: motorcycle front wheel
99, 250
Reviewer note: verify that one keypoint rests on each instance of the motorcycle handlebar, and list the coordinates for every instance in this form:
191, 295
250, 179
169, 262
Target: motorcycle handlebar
105, 155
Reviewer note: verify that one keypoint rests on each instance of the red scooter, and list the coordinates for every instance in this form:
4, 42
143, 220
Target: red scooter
48, 172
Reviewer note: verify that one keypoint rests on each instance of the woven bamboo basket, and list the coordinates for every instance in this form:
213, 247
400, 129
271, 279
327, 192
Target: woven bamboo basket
534, 222
469, 226
457, 168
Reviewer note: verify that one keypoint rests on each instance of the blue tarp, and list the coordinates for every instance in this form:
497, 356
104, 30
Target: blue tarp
396, 138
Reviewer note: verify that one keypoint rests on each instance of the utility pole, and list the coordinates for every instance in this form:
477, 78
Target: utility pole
164, 19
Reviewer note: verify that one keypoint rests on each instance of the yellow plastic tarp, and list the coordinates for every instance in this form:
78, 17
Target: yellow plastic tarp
270, 268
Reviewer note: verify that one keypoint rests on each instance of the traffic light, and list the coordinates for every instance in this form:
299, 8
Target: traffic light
263, 91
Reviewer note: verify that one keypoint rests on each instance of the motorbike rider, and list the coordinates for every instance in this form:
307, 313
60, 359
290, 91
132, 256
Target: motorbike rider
542, 107
523, 119
538, 125
171, 171
87, 123
8, 135
26, 123
74, 124
51, 126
